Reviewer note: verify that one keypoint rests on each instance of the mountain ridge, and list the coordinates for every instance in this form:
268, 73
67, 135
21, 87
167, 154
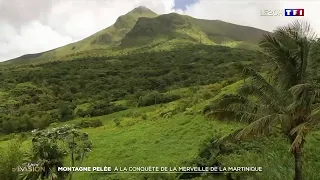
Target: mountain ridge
142, 27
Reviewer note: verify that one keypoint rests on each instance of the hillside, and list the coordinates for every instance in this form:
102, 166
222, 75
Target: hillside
143, 28
159, 90
105, 38
162, 29
34, 91
133, 95
185, 28
175, 134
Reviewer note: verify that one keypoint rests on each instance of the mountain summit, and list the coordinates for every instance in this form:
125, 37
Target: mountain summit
142, 10
142, 27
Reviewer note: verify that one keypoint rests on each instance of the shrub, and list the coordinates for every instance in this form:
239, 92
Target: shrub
154, 97
99, 109
183, 104
10, 157
144, 117
206, 94
86, 123
116, 121
65, 112
135, 114
215, 87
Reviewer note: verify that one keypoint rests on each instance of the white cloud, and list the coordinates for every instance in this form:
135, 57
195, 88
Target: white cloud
32, 30
64, 22
31, 38
79, 19
248, 12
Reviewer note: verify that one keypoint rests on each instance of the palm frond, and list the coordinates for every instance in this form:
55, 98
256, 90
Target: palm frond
314, 116
300, 33
299, 132
261, 83
228, 100
229, 137
261, 126
314, 61
281, 58
296, 32
271, 101
232, 115
259, 80
304, 97
290, 48
298, 89
232, 107
286, 123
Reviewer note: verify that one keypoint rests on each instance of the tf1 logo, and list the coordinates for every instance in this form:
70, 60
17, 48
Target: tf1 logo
294, 12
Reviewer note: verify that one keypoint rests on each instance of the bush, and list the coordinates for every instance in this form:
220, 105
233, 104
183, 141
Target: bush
152, 98
206, 94
99, 109
116, 121
183, 104
65, 112
144, 117
215, 87
10, 157
135, 114
86, 123
41, 122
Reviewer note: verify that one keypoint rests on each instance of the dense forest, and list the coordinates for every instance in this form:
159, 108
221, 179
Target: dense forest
34, 96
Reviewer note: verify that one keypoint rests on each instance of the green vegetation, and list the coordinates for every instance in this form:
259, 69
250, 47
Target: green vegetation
287, 103
143, 29
140, 88
49, 147
36, 95
86, 123
11, 157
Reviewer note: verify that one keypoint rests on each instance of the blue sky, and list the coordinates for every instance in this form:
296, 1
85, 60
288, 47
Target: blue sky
181, 4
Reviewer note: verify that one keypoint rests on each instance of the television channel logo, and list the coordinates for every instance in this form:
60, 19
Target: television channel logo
294, 12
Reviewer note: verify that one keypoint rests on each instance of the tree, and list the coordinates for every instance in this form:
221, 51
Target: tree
65, 112
48, 153
286, 102
78, 144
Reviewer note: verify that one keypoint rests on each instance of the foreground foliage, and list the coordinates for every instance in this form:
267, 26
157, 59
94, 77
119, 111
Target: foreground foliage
288, 103
50, 147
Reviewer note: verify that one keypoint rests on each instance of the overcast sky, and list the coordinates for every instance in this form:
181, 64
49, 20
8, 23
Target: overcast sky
32, 26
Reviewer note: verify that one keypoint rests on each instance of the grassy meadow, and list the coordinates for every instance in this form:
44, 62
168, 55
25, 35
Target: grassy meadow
144, 138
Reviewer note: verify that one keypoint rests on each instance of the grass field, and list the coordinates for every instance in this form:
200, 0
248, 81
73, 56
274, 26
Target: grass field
175, 140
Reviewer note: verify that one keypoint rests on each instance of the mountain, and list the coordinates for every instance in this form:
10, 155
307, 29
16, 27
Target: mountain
175, 26
113, 34
142, 27
102, 39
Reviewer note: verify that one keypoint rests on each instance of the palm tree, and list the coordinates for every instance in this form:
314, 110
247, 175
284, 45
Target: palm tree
286, 102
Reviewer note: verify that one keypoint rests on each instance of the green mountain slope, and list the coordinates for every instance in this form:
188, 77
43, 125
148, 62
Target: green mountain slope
174, 26
162, 29
102, 39
220, 32
141, 27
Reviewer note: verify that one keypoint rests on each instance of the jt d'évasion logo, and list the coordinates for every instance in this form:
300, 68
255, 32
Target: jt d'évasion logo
28, 167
